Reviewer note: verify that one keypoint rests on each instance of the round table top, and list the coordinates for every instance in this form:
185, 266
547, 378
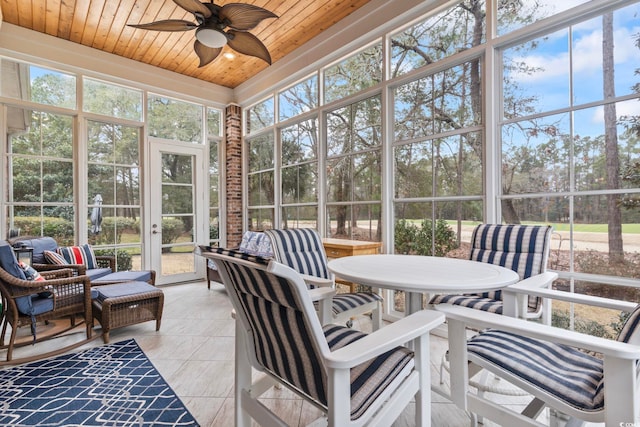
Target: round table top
415, 273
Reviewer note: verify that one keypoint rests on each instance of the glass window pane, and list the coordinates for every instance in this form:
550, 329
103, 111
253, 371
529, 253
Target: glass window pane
536, 156
177, 168
261, 190
299, 184
260, 116
57, 181
260, 219
355, 222
174, 119
177, 199
36, 84
261, 152
536, 75
298, 99
214, 122
300, 217
299, 142
514, 14
353, 74
437, 37
111, 100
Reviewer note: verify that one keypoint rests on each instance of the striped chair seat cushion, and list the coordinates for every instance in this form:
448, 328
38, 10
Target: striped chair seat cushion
369, 379
569, 374
345, 302
473, 301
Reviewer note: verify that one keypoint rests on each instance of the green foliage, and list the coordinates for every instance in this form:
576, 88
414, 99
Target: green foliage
112, 230
413, 240
123, 258
561, 319
172, 229
62, 230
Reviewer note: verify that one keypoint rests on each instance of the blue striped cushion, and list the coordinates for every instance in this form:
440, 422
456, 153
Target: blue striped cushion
472, 301
346, 302
564, 372
300, 249
369, 379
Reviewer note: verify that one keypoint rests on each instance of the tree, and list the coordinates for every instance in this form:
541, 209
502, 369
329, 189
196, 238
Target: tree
616, 254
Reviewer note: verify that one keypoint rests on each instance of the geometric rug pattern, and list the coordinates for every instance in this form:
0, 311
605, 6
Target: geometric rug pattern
110, 385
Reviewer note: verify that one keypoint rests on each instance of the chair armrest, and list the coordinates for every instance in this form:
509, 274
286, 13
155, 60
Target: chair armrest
317, 281
106, 260
79, 269
385, 339
569, 297
318, 294
515, 303
57, 274
478, 319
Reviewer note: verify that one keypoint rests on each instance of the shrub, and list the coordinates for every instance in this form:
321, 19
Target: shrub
561, 319
413, 240
172, 229
112, 230
123, 258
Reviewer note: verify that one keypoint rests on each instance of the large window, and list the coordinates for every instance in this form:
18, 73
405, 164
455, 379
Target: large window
570, 148
40, 179
214, 129
299, 174
354, 171
261, 182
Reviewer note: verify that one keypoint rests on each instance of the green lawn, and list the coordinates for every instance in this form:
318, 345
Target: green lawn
585, 228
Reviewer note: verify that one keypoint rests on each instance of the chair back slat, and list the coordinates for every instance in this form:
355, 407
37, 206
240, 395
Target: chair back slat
300, 249
280, 328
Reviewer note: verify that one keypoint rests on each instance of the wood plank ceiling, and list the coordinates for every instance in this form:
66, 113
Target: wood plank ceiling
102, 24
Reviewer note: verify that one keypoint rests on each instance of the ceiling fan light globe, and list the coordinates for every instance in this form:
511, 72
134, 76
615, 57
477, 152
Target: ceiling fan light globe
210, 37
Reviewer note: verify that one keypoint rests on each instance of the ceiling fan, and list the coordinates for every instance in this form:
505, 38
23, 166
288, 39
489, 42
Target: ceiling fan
212, 20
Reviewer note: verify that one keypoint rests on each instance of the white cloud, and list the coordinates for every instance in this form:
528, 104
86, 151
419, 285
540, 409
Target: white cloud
627, 108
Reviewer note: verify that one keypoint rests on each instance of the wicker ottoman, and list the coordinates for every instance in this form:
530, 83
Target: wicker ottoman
125, 304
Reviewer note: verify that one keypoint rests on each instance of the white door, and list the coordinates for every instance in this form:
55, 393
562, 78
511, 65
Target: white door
177, 210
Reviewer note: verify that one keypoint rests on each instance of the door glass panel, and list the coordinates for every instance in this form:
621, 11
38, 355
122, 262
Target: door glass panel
178, 214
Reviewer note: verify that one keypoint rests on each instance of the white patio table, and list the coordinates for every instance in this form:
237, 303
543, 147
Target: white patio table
417, 275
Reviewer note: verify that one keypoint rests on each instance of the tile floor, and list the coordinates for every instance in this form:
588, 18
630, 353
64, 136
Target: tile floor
194, 351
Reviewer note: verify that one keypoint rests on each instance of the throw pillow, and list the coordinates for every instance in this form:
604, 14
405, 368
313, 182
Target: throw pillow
82, 254
54, 258
30, 272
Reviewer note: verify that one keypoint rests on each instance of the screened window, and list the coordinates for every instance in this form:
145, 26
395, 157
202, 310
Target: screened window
214, 118
354, 157
174, 119
299, 174
40, 174
44, 86
437, 37
260, 116
298, 99
353, 74
111, 100
261, 181
570, 144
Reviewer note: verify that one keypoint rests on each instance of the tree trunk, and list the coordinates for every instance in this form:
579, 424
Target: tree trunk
616, 254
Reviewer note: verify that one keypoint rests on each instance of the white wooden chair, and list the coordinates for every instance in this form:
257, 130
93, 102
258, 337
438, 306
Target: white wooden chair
547, 363
302, 250
354, 378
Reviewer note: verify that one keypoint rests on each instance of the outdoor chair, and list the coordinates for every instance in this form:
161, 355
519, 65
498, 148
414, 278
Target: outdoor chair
522, 248
355, 379
47, 255
33, 297
589, 378
302, 250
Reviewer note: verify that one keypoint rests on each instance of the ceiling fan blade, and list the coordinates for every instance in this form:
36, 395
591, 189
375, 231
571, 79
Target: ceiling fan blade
243, 17
166, 25
194, 6
206, 53
248, 44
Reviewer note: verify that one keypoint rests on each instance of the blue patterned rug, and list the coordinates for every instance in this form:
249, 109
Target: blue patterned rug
111, 385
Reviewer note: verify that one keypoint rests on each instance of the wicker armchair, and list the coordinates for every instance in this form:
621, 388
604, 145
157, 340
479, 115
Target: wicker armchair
61, 294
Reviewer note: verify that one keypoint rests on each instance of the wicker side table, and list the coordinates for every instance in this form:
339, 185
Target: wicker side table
125, 304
